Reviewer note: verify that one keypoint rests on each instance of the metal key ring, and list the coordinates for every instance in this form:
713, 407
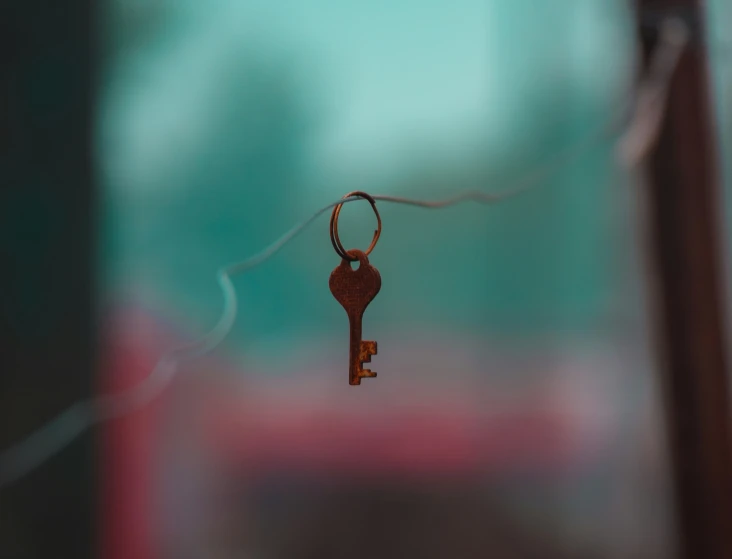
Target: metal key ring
343, 253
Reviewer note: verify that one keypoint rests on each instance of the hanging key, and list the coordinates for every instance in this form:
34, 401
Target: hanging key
354, 290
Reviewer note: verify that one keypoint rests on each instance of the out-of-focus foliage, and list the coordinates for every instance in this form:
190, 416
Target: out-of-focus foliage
213, 139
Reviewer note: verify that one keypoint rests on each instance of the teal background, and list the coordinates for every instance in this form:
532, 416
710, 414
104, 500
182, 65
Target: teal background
222, 125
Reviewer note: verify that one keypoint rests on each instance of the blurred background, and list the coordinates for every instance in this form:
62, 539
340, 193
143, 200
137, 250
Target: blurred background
516, 412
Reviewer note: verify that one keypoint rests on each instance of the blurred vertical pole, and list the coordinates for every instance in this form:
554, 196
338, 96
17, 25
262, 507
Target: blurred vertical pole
683, 202
46, 288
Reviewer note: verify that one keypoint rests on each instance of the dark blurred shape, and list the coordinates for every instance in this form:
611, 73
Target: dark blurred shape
398, 520
46, 241
683, 206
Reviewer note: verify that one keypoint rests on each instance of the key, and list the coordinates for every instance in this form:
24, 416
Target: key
354, 290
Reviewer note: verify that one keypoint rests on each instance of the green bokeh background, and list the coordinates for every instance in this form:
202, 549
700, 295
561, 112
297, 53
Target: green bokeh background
222, 124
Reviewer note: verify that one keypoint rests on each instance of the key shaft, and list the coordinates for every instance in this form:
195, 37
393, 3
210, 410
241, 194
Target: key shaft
360, 351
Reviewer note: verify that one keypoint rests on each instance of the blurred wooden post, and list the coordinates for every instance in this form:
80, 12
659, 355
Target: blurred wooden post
47, 335
683, 203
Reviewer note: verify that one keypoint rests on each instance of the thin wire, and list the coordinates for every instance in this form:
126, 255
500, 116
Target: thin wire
29, 453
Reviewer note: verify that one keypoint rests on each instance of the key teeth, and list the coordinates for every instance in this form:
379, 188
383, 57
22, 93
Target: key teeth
363, 373
368, 349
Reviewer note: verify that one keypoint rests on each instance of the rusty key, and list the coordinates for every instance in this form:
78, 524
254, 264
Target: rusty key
354, 290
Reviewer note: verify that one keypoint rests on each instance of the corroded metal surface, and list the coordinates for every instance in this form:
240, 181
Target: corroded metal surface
354, 290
